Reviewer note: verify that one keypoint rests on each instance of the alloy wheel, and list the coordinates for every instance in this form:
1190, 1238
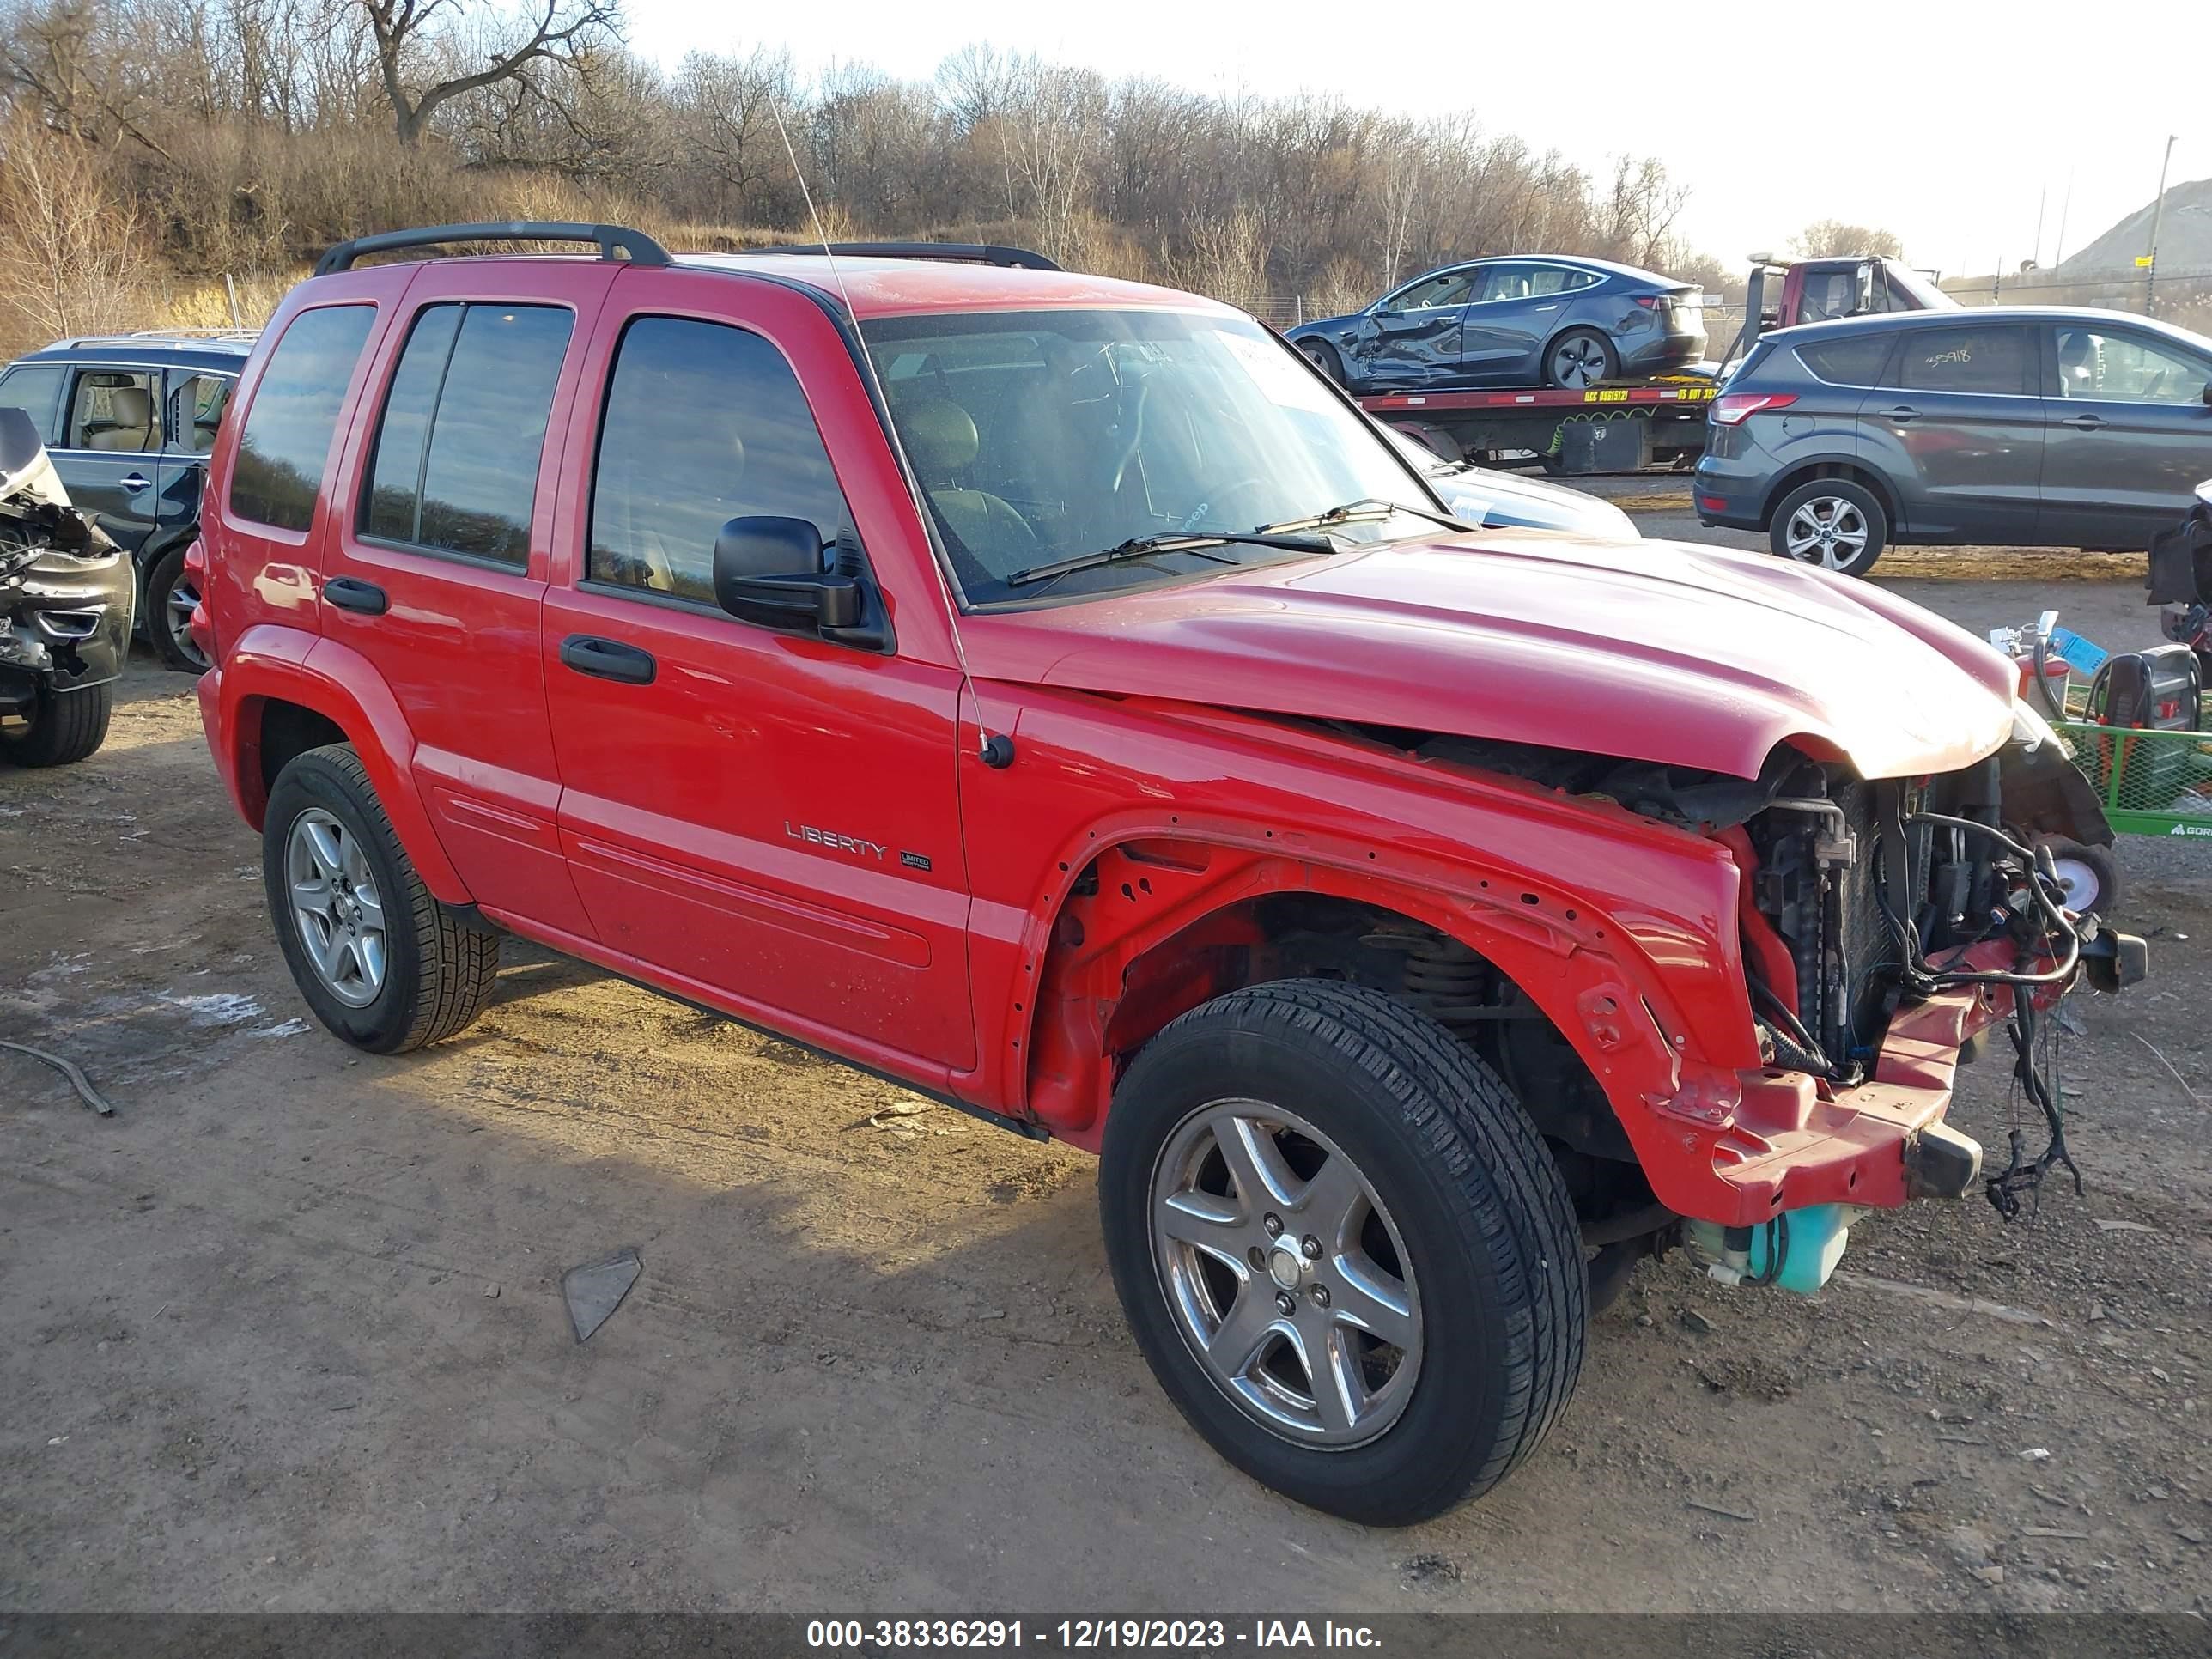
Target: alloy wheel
1286, 1274
1578, 364
1829, 530
335, 907
177, 617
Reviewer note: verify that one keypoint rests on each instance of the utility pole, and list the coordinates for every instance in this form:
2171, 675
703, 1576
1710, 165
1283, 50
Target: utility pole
2157, 221
2058, 253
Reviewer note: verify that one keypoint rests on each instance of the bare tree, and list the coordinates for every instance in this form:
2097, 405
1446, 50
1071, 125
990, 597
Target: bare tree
70, 258
1832, 238
407, 33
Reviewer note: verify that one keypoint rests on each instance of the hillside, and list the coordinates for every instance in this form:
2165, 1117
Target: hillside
2184, 240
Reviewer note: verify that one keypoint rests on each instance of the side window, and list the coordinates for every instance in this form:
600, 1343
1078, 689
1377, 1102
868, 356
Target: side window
703, 424
1514, 282
1432, 293
2105, 367
286, 444
457, 446
1855, 361
195, 410
1559, 279
1971, 359
34, 388
114, 409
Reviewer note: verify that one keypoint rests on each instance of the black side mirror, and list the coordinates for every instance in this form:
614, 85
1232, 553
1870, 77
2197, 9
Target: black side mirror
2207, 391
768, 571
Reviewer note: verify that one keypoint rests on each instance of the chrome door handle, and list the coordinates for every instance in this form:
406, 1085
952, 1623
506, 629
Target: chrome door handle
136, 481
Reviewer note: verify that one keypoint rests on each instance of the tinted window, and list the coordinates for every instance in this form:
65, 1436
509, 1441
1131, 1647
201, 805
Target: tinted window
1507, 282
2104, 366
1560, 279
703, 424
114, 409
1855, 361
34, 391
1962, 360
286, 441
464, 425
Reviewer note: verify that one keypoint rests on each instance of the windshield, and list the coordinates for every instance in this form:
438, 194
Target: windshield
1043, 436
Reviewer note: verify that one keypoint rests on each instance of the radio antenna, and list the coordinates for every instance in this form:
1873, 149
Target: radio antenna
996, 751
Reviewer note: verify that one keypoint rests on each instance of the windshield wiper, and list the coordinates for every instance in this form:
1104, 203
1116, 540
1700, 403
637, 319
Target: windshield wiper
1364, 511
1180, 541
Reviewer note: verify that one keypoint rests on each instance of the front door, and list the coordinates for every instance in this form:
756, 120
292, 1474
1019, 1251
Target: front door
1956, 426
1412, 339
435, 567
2129, 438
766, 820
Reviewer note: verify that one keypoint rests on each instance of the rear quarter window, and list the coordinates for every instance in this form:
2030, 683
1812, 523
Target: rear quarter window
286, 444
1855, 361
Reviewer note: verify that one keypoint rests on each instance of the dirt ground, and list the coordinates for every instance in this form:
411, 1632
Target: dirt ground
285, 1333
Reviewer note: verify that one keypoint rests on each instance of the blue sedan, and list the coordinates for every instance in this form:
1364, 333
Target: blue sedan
1520, 320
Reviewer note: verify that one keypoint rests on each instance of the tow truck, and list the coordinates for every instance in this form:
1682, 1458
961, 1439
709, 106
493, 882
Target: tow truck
1626, 426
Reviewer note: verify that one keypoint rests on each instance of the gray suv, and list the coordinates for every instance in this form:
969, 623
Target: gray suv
2013, 425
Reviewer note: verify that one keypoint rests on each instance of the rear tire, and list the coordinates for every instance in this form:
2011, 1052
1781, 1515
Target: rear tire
1580, 359
171, 601
1467, 1230
66, 727
1834, 523
382, 964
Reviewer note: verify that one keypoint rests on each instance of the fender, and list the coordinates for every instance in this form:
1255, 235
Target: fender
273, 662
1073, 1011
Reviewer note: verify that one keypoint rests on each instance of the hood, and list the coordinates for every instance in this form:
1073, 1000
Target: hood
1657, 651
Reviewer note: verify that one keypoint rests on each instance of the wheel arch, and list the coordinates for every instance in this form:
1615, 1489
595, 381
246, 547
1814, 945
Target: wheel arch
1153, 925
1843, 468
283, 692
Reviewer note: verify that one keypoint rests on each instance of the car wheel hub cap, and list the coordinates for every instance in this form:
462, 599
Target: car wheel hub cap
184, 600
336, 912
1827, 530
1286, 1274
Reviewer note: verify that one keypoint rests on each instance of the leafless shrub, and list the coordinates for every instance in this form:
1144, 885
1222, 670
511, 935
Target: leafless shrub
69, 254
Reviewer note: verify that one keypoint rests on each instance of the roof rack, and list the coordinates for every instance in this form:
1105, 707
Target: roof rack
187, 336
613, 240
969, 253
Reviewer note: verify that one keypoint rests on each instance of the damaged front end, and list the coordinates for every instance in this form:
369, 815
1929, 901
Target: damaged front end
1889, 928
67, 591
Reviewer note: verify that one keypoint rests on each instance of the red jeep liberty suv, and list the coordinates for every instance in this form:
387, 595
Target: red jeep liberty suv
1050, 693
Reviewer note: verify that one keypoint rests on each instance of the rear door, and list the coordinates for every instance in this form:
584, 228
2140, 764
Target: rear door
109, 453
1516, 305
2129, 435
435, 568
766, 818
1956, 427
192, 411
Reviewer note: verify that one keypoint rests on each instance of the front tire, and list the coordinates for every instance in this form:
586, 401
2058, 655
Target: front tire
1344, 1248
171, 599
382, 964
66, 727
1834, 523
1324, 357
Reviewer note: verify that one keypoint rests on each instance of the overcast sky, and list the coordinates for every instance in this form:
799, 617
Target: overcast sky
1941, 120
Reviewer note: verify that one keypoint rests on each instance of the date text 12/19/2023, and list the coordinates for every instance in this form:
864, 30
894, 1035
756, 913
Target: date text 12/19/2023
1082, 1635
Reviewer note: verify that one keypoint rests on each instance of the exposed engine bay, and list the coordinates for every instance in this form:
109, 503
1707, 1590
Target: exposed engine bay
1860, 897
